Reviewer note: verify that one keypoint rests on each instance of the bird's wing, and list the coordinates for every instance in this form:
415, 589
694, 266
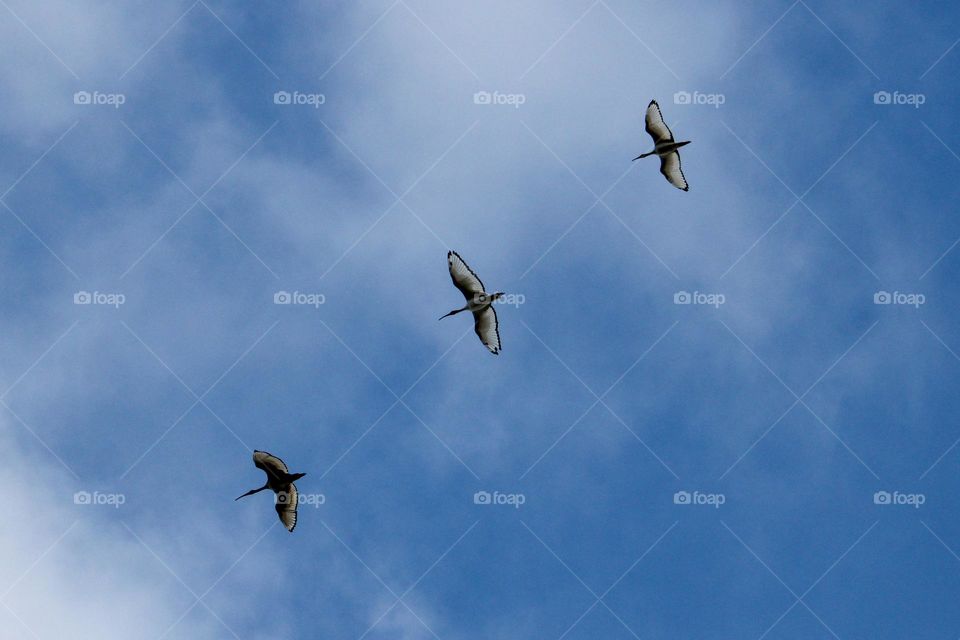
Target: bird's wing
286, 504
655, 125
488, 329
670, 168
463, 276
270, 463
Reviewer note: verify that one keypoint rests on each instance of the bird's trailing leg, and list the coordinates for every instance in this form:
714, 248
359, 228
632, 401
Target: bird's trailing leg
250, 493
453, 313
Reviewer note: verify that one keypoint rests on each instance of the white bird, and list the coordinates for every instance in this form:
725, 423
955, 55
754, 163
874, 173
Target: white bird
478, 301
280, 480
664, 147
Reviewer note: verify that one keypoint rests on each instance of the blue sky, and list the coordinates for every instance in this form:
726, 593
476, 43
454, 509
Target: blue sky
777, 465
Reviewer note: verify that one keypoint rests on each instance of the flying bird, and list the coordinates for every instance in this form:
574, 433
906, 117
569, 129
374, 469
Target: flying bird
479, 302
664, 147
280, 481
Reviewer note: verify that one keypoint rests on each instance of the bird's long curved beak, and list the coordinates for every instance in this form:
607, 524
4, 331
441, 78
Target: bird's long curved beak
638, 157
446, 314
251, 492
